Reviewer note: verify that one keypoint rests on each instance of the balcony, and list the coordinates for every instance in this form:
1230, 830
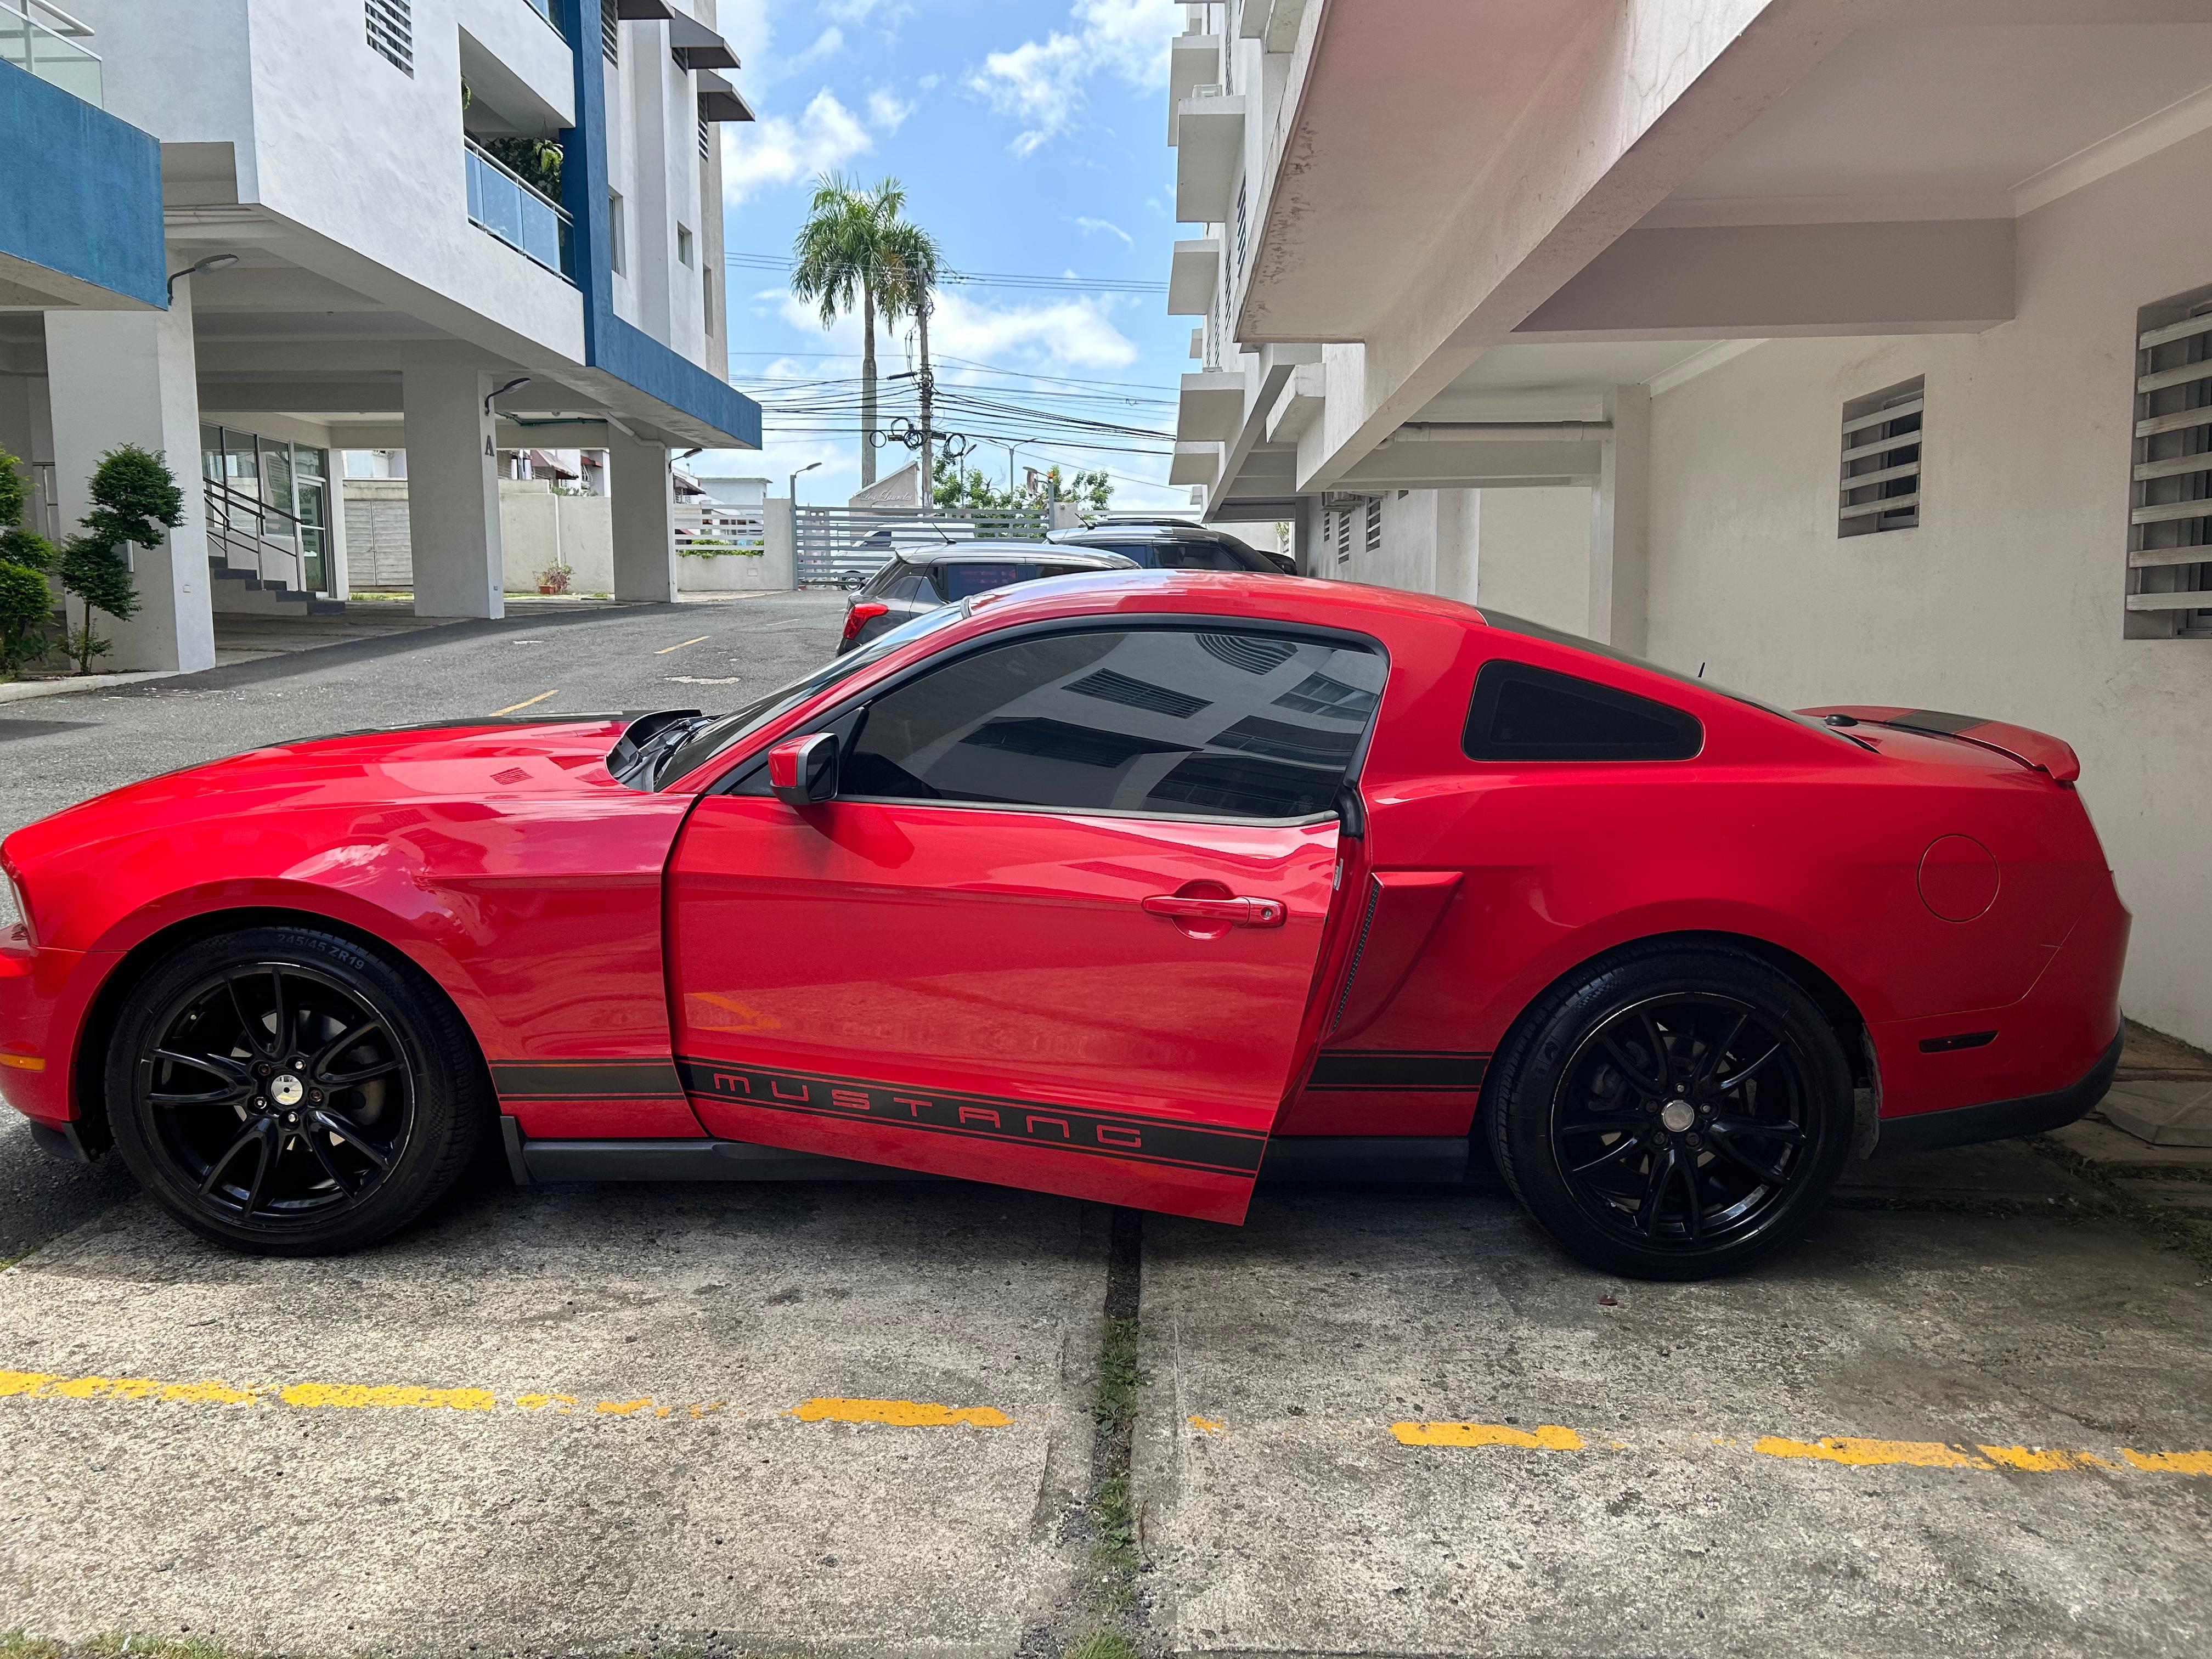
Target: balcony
1192, 60
1211, 405
517, 213
1209, 155
1191, 274
49, 52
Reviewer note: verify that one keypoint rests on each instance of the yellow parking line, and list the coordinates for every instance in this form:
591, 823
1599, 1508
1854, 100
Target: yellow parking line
899, 1413
1546, 1436
665, 649
1872, 1454
515, 708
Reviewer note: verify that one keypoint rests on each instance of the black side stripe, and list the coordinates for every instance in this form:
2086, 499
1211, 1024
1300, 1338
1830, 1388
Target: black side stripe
586, 1079
1397, 1069
979, 1117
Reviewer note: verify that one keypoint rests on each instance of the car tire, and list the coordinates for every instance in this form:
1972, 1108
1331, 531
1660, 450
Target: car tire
1671, 1112
285, 1091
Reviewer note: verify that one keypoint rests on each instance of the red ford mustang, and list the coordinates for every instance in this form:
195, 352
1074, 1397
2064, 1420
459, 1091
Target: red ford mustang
1128, 887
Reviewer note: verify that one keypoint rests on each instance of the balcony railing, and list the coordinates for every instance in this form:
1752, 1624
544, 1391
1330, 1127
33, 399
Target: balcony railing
48, 52
518, 213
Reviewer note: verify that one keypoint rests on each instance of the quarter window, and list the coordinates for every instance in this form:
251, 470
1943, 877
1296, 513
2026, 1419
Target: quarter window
1523, 713
1169, 722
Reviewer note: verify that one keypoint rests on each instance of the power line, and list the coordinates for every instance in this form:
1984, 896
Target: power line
983, 278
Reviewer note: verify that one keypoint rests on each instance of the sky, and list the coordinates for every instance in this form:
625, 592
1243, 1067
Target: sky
1032, 138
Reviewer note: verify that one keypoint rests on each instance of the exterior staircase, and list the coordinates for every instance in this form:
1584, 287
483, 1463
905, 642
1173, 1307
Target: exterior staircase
258, 572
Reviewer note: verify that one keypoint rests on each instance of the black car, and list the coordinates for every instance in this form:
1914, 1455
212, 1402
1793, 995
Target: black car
1174, 545
920, 579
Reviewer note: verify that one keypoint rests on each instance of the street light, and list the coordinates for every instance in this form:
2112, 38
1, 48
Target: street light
793, 488
213, 262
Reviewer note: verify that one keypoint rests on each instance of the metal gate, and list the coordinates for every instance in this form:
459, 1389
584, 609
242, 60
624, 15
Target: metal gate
843, 546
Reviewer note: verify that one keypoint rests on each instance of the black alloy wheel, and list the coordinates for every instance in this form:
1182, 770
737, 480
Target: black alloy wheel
283, 1090
1672, 1114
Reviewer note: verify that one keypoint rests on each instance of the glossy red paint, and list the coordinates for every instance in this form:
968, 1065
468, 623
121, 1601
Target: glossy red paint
983, 992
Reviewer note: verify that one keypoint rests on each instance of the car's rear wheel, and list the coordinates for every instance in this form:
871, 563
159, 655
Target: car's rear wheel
1672, 1114
282, 1091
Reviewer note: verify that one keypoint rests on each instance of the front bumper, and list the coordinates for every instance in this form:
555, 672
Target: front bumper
43, 997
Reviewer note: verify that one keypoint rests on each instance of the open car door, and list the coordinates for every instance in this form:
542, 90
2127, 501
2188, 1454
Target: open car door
1052, 919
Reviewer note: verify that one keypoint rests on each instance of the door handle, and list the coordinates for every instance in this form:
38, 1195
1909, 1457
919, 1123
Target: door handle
1234, 912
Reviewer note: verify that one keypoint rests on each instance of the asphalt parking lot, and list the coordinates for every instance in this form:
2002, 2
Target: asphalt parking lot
1967, 1416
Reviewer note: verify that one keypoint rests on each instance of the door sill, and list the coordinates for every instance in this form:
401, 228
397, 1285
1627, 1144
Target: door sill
1358, 1159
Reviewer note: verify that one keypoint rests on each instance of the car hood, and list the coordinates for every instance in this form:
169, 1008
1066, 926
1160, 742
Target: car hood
483, 761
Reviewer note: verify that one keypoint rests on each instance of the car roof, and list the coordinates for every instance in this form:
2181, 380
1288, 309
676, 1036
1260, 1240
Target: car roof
1088, 558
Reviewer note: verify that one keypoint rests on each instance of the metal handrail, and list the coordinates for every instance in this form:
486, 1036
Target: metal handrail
538, 228
222, 500
491, 160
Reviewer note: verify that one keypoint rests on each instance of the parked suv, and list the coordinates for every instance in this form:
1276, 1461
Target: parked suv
1174, 545
920, 579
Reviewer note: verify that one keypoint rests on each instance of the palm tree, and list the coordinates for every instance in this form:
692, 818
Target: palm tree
911, 261
839, 256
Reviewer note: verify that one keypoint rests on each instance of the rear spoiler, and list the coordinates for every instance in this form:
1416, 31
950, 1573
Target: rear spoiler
2038, 749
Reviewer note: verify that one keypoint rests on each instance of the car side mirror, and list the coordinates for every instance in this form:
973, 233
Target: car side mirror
803, 771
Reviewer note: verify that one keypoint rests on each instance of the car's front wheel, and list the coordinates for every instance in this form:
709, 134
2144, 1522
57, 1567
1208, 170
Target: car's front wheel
282, 1091
1672, 1114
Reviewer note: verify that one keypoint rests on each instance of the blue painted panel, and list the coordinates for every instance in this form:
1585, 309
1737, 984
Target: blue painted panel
84, 190
609, 343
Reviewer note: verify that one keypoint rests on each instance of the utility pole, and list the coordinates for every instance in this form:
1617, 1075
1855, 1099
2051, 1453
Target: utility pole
927, 380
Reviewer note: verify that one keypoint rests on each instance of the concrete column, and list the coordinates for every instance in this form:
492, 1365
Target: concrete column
1307, 552
1620, 514
453, 486
1458, 543
779, 543
644, 492
118, 377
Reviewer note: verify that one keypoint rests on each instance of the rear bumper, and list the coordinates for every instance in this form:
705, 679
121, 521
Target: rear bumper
2000, 1120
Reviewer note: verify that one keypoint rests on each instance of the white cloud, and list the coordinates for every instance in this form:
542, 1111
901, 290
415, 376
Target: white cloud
887, 110
1088, 226
780, 150
1077, 332
745, 24
828, 44
1041, 83
860, 11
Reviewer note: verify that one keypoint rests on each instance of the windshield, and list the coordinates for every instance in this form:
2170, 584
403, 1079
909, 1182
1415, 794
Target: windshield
692, 745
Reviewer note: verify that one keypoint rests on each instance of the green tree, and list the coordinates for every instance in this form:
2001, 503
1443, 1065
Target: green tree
26, 601
837, 260
135, 502
973, 492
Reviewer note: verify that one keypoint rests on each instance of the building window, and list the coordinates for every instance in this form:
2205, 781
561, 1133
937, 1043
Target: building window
1374, 524
1880, 478
1344, 536
706, 141
707, 298
615, 257
392, 32
2169, 486
609, 31
682, 245
1242, 186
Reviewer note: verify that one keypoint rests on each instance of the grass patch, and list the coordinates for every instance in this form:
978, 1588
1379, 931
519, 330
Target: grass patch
1103, 1644
15, 1644
1114, 1401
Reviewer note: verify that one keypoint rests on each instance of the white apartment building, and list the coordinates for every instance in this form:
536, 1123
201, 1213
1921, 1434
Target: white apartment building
366, 253
1852, 350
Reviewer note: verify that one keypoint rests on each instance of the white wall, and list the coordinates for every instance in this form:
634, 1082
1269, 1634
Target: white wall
1534, 555
2006, 601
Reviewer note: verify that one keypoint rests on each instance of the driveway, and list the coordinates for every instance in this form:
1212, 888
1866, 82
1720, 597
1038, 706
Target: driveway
916, 1417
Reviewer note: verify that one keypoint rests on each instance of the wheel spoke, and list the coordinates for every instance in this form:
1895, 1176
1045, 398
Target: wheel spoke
332, 1123
319, 1142
1716, 1055
1723, 1133
1620, 1152
1655, 1193
1659, 1054
1729, 1085
284, 1036
1693, 1216
249, 1029
348, 1079
271, 1146
319, 1070
1602, 1126
246, 1137
1644, 1082
237, 1084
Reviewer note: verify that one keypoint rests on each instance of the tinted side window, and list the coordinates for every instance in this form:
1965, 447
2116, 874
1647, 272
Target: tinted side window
1522, 713
913, 588
1167, 721
1145, 553
958, 581
1198, 555
885, 579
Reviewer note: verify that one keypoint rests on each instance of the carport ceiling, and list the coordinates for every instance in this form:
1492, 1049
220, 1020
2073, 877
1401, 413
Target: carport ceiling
1902, 123
1561, 382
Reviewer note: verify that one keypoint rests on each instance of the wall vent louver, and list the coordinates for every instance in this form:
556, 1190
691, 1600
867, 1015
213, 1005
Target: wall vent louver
1880, 481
